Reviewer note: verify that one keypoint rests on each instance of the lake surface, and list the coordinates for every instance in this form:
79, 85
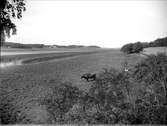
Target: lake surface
29, 52
10, 52
9, 64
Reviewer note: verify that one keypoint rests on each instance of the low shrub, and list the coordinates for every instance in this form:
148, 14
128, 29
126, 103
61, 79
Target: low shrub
61, 100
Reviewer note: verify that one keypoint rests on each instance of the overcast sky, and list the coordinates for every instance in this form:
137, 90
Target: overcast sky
104, 23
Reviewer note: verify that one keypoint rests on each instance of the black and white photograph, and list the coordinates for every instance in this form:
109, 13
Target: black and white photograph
83, 62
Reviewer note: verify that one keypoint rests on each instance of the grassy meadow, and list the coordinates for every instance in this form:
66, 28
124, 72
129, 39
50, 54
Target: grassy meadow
22, 86
61, 66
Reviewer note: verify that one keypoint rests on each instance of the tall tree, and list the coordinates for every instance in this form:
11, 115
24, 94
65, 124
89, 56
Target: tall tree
9, 10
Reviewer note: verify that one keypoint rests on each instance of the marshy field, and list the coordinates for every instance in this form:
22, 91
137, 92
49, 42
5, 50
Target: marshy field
23, 86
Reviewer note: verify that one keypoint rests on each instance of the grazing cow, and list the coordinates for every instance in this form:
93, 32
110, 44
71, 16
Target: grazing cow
89, 77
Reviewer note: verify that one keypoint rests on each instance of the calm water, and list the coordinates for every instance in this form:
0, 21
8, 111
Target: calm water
9, 64
23, 52
29, 52
19, 62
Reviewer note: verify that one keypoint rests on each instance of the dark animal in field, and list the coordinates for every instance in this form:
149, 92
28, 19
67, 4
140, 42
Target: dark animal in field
89, 77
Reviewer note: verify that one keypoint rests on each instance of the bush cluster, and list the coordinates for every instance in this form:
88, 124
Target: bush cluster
132, 48
60, 101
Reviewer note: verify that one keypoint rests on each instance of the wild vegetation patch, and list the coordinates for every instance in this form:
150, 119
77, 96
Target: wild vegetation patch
116, 96
119, 97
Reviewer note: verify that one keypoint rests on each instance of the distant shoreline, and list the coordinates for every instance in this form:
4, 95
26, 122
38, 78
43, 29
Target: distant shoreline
18, 51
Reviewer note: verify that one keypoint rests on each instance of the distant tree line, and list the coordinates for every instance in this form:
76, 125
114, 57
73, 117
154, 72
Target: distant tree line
68, 46
139, 46
73, 46
19, 45
24, 46
159, 42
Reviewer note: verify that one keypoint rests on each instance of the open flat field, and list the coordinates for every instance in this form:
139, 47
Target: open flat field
155, 50
25, 84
